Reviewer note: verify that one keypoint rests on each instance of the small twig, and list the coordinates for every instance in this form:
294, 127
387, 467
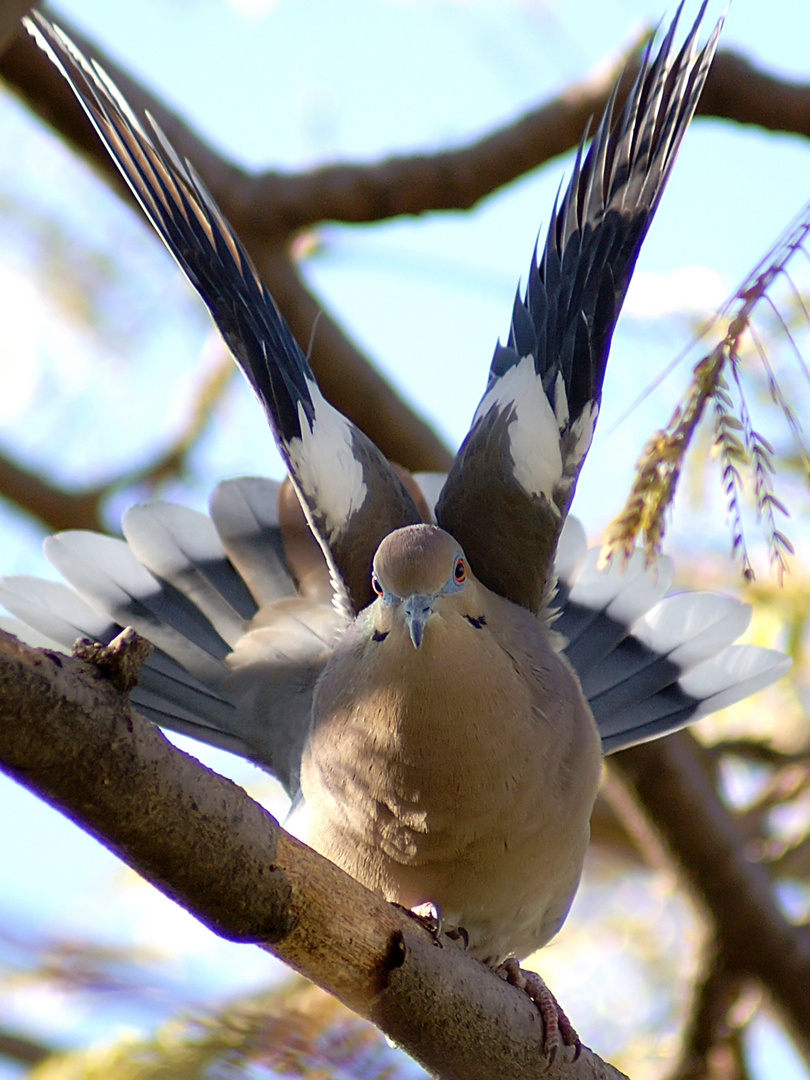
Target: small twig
761, 753
207, 394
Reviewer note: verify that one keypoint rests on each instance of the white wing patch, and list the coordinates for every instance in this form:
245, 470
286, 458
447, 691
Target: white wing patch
560, 401
323, 463
534, 432
582, 429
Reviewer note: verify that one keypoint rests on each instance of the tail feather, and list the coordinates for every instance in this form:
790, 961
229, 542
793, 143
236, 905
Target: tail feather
604, 603
734, 674
62, 615
106, 572
209, 721
690, 627
54, 610
647, 665
181, 546
569, 559
237, 652
245, 514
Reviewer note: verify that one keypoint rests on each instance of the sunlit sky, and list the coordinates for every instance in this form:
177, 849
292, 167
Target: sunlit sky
293, 83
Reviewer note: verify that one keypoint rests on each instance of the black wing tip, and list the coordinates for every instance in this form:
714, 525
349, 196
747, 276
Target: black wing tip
187, 219
637, 147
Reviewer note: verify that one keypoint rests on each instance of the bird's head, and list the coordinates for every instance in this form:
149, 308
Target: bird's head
417, 570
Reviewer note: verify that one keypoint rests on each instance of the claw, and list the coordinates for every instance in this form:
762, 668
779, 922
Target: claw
558, 1029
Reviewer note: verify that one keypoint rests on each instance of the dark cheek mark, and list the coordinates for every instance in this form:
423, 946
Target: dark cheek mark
477, 623
379, 635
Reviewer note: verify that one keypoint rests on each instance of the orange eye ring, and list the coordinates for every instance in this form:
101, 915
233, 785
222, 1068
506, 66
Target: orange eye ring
376, 586
459, 572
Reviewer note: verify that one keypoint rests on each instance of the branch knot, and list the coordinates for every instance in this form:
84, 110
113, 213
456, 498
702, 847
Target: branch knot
119, 661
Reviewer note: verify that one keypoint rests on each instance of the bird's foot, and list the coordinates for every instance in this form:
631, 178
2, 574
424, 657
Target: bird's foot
429, 917
458, 933
559, 1031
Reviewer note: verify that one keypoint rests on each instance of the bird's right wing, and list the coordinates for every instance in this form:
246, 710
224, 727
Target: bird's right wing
350, 494
237, 652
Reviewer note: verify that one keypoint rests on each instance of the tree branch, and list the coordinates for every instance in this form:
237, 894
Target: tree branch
458, 179
673, 785
11, 11
708, 1026
24, 1051
67, 734
740, 91
57, 508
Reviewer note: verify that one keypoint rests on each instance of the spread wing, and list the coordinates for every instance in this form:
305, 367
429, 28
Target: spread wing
351, 495
513, 479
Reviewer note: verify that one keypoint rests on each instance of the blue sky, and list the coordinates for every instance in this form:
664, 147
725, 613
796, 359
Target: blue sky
290, 84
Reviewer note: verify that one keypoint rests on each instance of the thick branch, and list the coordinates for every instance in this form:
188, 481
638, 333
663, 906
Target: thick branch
708, 1025
11, 11
458, 179
346, 377
69, 736
740, 91
24, 1051
59, 509
755, 938
273, 206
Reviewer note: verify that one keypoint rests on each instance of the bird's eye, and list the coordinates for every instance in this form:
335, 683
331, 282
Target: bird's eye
459, 571
376, 586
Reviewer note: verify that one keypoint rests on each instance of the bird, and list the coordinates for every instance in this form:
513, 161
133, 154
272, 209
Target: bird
434, 668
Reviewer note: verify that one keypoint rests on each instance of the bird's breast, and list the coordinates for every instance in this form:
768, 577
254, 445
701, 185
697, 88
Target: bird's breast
416, 728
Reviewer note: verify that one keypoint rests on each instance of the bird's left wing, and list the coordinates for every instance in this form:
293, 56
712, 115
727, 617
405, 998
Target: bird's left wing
513, 479
650, 661
351, 495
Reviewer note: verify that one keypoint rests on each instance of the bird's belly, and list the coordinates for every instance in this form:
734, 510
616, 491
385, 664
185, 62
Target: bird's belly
489, 859
458, 796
